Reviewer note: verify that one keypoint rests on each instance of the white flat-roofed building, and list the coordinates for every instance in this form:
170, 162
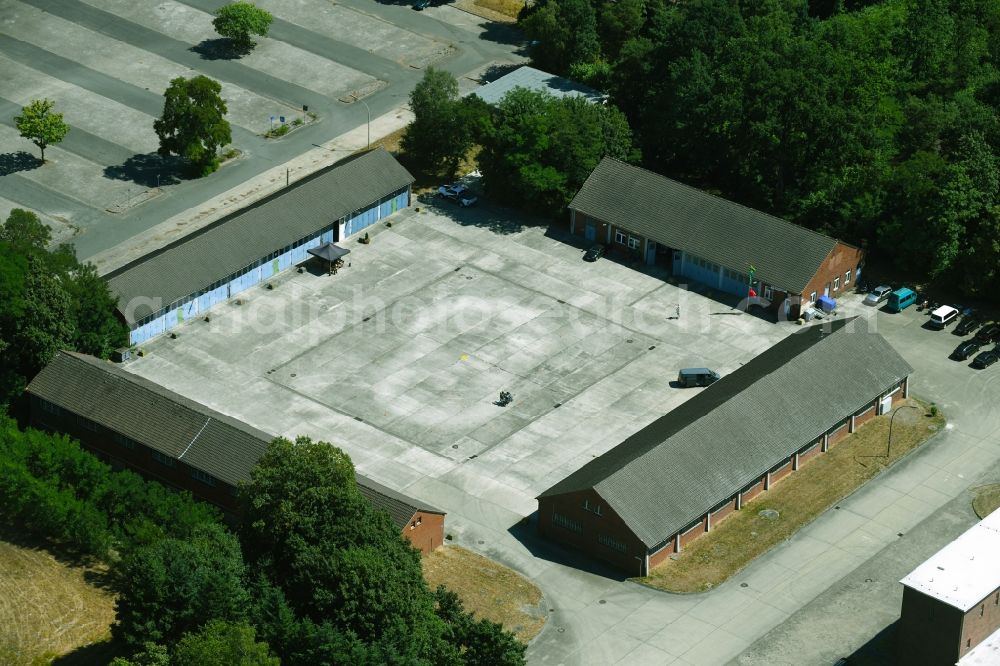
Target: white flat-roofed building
951, 602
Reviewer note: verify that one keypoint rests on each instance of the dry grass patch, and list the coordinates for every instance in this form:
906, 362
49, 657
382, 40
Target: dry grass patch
987, 500
509, 8
48, 608
488, 589
798, 499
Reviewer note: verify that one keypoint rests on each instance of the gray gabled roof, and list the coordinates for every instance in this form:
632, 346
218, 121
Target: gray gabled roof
685, 463
151, 415
176, 426
399, 507
785, 255
535, 79
241, 238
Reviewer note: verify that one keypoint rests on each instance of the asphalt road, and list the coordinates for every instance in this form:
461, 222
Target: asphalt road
474, 48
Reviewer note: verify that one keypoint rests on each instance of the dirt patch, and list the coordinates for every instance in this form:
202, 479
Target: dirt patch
797, 500
488, 589
48, 608
501, 11
987, 500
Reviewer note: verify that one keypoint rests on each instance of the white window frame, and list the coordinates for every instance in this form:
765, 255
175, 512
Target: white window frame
620, 237
768, 293
836, 283
847, 278
633, 243
593, 508
812, 297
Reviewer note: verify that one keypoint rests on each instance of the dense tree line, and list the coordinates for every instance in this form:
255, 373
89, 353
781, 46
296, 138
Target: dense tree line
876, 122
48, 301
314, 575
534, 150
53, 488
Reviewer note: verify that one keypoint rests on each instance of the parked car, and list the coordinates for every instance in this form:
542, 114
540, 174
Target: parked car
988, 333
878, 294
966, 349
594, 253
420, 5
968, 324
901, 299
458, 193
942, 316
697, 377
986, 359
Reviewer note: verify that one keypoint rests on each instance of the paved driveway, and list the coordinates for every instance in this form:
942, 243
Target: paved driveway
106, 64
399, 357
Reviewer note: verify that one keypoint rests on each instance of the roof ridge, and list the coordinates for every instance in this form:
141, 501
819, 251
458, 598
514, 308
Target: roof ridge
720, 198
195, 438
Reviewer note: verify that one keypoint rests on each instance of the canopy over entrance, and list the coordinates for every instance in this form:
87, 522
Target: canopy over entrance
328, 252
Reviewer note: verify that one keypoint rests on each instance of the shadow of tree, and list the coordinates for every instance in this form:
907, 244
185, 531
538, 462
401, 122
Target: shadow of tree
498, 220
495, 71
95, 653
149, 170
505, 33
19, 161
219, 48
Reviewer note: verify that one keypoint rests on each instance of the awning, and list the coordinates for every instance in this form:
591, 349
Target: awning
328, 252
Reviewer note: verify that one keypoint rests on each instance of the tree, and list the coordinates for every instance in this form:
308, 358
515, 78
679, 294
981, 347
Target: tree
239, 20
42, 127
96, 329
25, 231
175, 586
441, 133
481, 642
563, 33
221, 643
334, 557
538, 149
193, 123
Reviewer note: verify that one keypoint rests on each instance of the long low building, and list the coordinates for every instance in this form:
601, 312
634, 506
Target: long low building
709, 240
133, 423
186, 278
670, 482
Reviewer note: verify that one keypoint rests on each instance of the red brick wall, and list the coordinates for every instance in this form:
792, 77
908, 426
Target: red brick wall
809, 454
841, 259
720, 514
865, 415
929, 631
591, 526
976, 628
839, 434
781, 472
661, 556
425, 531
753, 491
426, 536
692, 534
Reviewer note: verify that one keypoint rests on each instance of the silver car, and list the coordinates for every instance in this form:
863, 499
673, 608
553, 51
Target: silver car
878, 294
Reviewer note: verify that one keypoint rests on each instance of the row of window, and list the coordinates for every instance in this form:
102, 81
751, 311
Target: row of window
611, 542
622, 239
567, 523
836, 285
224, 281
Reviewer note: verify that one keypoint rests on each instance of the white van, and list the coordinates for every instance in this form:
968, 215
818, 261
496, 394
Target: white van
943, 316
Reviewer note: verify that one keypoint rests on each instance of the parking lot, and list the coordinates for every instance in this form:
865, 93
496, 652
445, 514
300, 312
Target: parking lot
106, 64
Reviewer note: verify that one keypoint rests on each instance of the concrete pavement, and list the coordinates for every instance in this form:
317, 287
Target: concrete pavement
462, 302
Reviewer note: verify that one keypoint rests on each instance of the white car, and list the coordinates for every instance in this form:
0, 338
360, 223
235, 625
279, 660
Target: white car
458, 193
878, 294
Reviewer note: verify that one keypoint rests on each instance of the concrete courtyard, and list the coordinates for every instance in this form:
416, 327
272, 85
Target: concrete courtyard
106, 64
399, 358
